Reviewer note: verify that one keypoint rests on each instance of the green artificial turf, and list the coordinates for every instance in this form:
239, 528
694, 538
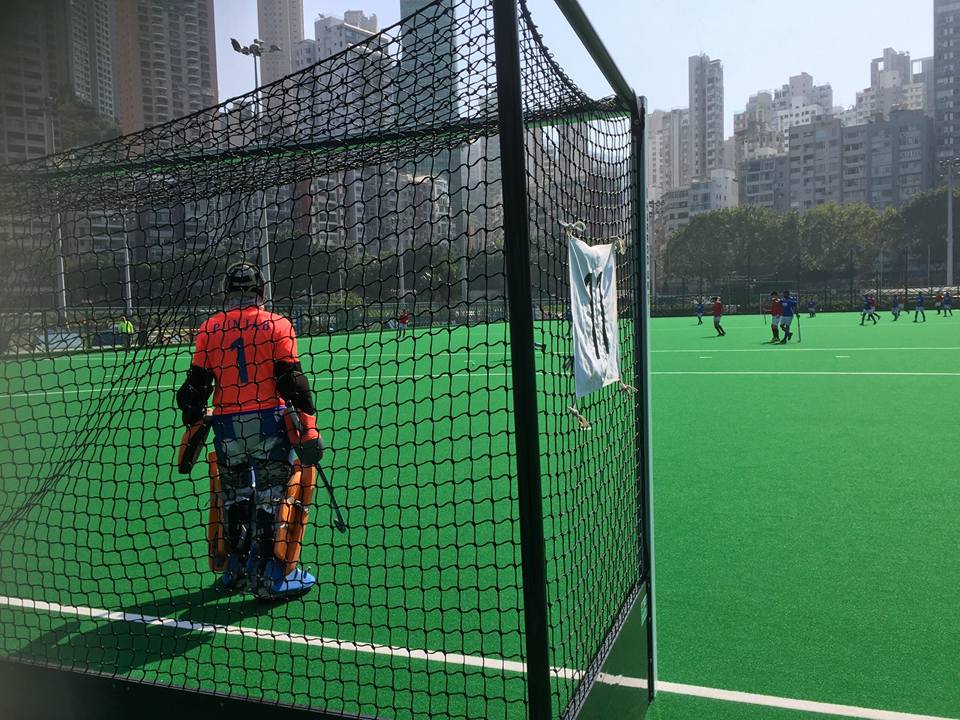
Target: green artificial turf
806, 535
94, 516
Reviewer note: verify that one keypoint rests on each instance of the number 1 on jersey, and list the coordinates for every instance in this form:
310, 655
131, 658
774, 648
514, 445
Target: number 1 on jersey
237, 345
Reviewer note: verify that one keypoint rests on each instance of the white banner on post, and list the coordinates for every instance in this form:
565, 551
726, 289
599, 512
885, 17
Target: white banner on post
593, 305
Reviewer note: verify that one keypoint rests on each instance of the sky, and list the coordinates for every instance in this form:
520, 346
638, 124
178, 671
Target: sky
760, 42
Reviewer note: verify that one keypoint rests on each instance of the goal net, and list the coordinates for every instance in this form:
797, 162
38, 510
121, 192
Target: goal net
368, 190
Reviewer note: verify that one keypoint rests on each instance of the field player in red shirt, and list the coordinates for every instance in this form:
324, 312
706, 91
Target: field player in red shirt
776, 311
718, 316
248, 357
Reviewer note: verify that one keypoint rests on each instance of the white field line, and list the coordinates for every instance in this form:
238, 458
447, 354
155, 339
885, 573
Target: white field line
770, 348
87, 391
801, 372
469, 373
486, 663
320, 377
744, 698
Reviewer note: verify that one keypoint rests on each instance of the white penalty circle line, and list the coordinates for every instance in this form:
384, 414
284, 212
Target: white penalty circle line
487, 663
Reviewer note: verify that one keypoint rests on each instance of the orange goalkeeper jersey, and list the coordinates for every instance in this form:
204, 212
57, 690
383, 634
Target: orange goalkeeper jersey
240, 346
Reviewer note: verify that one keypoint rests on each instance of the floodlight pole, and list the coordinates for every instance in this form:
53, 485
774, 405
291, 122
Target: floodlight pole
61, 271
127, 285
60, 265
948, 167
255, 49
264, 249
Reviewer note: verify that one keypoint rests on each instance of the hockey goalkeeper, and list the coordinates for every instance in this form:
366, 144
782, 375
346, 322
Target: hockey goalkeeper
247, 356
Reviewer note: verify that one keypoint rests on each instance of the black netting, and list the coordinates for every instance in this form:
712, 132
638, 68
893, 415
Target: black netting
367, 190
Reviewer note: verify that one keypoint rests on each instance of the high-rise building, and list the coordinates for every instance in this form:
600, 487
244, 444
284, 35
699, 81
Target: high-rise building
800, 102
815, 157
31, 71
883, 163
887, 162
801, 88
676, 210
92, 53
657, 158
715, 192
729, 154
946, 58
334, 34
896, 82
706, 115
429, 58
762, 130
429, 96
166, 61
764, 182
668, 150
755, 132
279, 23
348, 208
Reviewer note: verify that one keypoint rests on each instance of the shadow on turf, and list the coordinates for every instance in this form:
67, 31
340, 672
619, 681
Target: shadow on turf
119, 647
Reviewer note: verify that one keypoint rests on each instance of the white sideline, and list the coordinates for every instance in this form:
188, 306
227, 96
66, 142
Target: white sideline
800, 372
745, 698
469, 373
486, 663
768, 347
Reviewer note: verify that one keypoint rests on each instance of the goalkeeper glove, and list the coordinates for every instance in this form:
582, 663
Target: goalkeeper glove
304, 436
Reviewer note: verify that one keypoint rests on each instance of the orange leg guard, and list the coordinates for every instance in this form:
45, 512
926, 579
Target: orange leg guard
292, 517
216, 531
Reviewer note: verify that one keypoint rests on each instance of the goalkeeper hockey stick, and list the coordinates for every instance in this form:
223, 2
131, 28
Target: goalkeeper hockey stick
291, 414
338, 523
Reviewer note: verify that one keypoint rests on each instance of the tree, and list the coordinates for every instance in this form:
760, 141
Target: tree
78, 122
837, 240
924, 223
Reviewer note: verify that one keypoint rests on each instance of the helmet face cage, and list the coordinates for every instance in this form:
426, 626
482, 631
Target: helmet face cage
243, 277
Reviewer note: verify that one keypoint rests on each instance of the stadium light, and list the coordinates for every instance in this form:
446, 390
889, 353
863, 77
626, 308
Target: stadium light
948, 168
256, 49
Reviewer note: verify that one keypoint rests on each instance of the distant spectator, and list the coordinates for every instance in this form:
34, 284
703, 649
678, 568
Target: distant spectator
125, 327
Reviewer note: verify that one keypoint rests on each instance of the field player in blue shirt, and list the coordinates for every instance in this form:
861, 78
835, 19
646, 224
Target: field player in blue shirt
789, 308
919, 311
